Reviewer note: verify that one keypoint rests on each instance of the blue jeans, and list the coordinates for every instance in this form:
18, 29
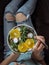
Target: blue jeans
13, 8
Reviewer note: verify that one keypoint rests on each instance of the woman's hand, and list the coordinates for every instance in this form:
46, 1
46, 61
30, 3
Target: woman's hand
10, 59
14, 56
38, 48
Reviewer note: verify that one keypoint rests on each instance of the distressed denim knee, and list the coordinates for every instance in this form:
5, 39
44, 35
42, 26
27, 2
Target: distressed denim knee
8, 14
11, 9
9, 17
26, 10
20, 17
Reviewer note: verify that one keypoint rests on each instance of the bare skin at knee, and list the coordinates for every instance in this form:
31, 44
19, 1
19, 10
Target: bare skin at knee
15, 63
20, 17
18, 64
9, 17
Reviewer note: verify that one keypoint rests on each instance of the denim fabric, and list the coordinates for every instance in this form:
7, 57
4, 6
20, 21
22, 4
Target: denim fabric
27, 22
28, 7
26, 56
10, 8
7, 28
13, 6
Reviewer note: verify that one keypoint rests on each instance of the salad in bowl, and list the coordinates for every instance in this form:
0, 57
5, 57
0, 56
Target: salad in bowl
21, 38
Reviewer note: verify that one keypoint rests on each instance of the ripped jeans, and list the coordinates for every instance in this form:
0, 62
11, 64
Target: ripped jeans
13, 7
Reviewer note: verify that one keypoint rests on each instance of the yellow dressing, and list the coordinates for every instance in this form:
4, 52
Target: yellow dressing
22, 47
29, 43
15, 33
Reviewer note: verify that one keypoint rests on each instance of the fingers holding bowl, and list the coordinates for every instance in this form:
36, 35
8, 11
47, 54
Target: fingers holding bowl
42, 40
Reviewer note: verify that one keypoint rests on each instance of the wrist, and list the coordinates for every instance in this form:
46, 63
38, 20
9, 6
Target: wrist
14, 56
42, 62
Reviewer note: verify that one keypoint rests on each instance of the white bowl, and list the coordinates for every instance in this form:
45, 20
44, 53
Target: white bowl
32, 28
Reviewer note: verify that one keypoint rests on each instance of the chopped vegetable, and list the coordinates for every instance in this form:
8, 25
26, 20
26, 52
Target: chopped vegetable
22, 47
15, 40
30, 35
29, 43
15, 33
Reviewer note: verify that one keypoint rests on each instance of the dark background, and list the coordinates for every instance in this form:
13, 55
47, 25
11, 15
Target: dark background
41, 23
3, 3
